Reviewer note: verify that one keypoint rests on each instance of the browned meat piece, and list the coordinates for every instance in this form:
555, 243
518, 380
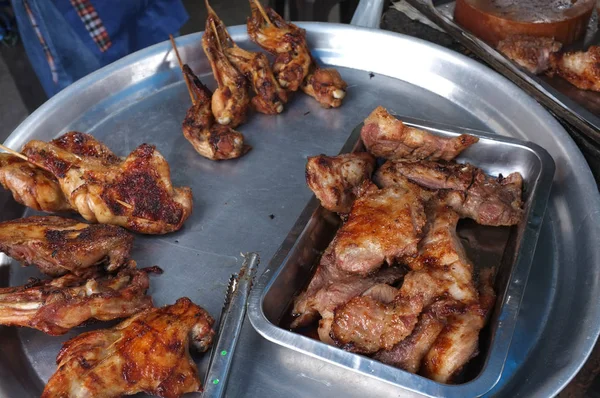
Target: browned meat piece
284, 40
387, 137
367, 325
335, 179
326, 86
231, 100
136, 193
470, 192
85, 145
58, 305
270, 97
383, 225
59, 245
458, 342
581, 69
209, 139
530, 52
145, 353
31, 186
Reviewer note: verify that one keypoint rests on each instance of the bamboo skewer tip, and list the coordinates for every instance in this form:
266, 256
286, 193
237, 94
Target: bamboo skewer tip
125, 204
263, 12
15, 153
185, 77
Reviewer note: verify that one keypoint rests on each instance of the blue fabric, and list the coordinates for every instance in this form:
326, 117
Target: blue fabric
131, 26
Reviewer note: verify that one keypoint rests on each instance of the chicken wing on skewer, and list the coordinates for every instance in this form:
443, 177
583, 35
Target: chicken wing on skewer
136, 193
387, 137
231, 99
58, 305
580, 68
270, 97
335, 180
326, 86
211, 140
59, 245
145, 353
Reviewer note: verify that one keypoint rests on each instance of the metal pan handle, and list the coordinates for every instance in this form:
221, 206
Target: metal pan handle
368, 14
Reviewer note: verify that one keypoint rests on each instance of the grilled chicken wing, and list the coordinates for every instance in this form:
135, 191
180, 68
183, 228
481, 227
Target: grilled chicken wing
531, 52
59, 245
58, 305
270, 97
231, 99
145, 353
468, 190
136, 193
387, 137
336, 179
580, 68
326, 86
86, 146
211, 140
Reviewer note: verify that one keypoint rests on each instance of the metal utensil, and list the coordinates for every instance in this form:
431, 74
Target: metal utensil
230, 327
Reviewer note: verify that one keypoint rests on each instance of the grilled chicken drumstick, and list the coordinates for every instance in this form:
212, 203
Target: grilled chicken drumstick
325, 85
136, 193
270, 97
58, 305
145, 353
59, 245
231, 99
210, 139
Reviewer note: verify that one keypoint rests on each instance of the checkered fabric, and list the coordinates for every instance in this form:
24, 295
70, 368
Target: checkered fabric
45, 47
93, 23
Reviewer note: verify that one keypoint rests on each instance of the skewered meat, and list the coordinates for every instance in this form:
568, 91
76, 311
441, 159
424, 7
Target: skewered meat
284, 40
231, 99
387, 137
471, 193
383, 225
270, 97
145, 353
209, 139
335, 179
136, 193
580, 68
531, 52
86, 146
31, 186
326, 86
59, 245
366, 325
58, 305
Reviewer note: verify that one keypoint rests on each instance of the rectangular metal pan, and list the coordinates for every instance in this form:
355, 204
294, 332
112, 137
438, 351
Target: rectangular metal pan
509, 249
578, 107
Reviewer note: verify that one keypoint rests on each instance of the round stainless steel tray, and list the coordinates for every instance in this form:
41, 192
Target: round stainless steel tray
141, 98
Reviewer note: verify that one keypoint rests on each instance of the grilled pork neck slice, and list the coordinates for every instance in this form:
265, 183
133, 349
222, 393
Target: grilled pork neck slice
387, 137
55, 306
145, 353
59, 245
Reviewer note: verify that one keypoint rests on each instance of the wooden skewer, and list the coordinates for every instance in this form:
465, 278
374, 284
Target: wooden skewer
185, 77
15, 153
124, 204
212, 23
263, 12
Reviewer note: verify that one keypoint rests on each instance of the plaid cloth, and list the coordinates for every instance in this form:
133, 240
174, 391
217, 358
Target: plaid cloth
93, 23
45, 47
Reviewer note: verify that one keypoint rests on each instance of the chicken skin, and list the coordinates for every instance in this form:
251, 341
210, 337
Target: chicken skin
55, 306
136, 193
325, 85
387, 137
531, 52
580, 68
211, 140
146, 353
59, 245
335, 180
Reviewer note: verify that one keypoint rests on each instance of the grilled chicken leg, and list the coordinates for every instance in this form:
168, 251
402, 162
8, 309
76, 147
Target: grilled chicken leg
145, 353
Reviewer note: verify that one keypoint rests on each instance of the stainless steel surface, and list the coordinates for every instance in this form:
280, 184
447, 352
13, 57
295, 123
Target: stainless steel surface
578, 107
508, 250
142, 98
230, 327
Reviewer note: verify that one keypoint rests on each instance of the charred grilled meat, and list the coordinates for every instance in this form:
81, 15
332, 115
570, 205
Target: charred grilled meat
231, 99
136, 193
580, 68
58, 305
531, 52
326, 86
59, 245
209, 139
336, 180
387, 137
145, 353
86, 146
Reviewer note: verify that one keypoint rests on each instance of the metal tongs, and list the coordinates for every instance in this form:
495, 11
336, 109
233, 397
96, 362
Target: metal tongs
230, 327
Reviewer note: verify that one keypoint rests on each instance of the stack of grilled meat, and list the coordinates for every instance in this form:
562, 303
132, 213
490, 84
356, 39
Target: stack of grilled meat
395, 282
